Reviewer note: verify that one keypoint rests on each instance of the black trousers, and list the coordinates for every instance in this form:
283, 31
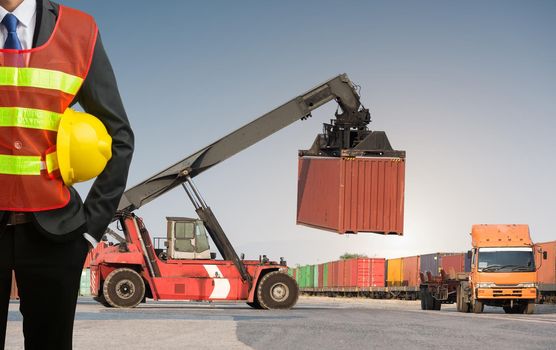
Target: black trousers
48, 275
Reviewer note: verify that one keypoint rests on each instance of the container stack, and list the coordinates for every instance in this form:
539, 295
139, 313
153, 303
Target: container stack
379, 272
356, 273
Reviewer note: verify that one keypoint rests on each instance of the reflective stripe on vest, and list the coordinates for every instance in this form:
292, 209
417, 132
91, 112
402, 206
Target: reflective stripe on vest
40, 78
27, 165
36, 87
29, 118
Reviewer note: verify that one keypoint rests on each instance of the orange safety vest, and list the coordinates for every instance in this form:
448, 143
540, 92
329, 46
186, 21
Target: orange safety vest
36, 87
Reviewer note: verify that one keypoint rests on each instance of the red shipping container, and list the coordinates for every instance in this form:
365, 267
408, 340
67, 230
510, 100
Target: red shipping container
546, 274
321, 276
351, 195
331, 269
350, 271
341, 271
378, 268
364, 272
13, 292
452, 264
411, 271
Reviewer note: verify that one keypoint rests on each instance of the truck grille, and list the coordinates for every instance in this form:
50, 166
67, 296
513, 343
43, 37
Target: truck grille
506, 292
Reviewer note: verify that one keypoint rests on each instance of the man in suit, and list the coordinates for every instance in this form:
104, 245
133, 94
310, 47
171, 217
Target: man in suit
47, 248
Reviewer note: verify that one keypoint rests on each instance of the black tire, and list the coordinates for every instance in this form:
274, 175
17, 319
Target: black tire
101, 299
436, 304
423, 302
124, 288
425, 297
428, 302
255, 304
277, 290
477, 307
461, 305
529, 308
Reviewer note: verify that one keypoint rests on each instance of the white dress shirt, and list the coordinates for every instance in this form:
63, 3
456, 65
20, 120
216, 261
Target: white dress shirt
26, 14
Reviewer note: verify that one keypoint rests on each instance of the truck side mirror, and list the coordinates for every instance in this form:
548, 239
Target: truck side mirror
469, 254
544, 255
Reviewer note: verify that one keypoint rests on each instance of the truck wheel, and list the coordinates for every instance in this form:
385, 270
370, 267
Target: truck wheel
123, 288
255, 304
101, 299
477, 307
426, 299
529, 308
277, 290
436, 304
459, 301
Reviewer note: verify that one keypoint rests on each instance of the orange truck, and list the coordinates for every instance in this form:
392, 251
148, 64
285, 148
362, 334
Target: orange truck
504, 263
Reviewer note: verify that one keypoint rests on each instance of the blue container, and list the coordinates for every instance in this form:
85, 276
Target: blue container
430, 262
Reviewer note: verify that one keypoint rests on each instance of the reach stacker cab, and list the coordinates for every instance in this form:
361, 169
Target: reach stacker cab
125, 273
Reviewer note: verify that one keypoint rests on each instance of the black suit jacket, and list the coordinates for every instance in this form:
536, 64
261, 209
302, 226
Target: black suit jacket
98, 96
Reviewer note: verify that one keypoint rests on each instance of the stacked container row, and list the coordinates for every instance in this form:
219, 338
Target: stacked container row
379, 272
360, 272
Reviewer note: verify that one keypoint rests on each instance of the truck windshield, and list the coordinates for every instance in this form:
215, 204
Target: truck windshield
510, 259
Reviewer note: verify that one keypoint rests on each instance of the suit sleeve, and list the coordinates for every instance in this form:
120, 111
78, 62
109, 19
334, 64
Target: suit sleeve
100, 97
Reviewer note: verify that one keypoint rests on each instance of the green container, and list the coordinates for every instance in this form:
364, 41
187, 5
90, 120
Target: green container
315, 276
325, 275
85, 285
306, 278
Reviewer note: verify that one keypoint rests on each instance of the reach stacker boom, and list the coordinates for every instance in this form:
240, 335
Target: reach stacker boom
125, 273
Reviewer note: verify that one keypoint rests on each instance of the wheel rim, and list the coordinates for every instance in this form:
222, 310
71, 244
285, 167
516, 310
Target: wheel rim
279, 292
125, 289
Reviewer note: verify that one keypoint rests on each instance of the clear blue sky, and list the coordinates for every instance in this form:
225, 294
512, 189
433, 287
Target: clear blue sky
468, 89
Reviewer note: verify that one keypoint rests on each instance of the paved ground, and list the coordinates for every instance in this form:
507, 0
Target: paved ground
316, 323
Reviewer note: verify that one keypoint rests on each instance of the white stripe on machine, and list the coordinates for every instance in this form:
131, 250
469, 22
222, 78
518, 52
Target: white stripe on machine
221, 285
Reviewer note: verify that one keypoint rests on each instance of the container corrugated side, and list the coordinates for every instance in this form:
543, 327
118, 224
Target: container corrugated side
430, 263
341, 270
325, 275
546, 274
411, 271
350, 272
395, 272
351, 195
453, 264
377, 272
316, 272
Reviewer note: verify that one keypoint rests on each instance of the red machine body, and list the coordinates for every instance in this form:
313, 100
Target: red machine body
199, 280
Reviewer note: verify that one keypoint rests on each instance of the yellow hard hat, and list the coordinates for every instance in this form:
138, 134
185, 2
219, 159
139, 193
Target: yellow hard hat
83, 147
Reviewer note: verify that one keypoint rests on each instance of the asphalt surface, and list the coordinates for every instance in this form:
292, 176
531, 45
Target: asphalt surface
315, 323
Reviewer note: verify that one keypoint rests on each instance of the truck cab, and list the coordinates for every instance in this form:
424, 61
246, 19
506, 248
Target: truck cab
503, 270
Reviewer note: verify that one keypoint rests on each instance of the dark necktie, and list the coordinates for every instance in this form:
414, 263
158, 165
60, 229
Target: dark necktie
12, 41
